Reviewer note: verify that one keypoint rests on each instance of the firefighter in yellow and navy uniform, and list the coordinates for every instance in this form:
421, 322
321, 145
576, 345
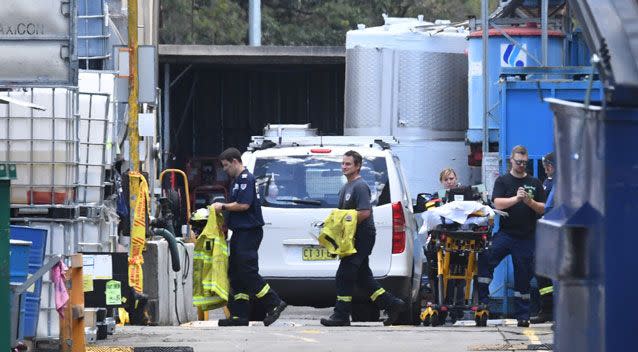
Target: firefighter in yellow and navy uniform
355, 269
245, 220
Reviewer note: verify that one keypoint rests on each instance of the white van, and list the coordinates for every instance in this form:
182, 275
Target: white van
298, 187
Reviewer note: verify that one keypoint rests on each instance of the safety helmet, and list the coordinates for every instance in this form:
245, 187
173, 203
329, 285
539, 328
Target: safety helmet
200, 214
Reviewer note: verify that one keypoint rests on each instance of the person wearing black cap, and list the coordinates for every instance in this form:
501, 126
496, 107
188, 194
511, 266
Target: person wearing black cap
549, 164
545, 285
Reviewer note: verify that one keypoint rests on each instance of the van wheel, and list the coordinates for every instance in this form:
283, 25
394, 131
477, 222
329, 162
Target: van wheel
365, 312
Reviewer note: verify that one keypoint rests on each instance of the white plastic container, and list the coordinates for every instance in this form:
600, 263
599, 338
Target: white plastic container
93, 109
42, 144
96, 107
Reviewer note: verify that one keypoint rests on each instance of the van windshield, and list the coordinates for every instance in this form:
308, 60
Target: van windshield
312, 181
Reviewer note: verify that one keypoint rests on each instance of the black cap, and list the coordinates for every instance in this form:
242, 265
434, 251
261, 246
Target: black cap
549, 159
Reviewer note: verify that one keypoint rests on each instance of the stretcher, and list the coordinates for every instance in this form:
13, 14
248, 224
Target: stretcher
454, 250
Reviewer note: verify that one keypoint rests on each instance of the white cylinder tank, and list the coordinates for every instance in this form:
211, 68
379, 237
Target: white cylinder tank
407, 78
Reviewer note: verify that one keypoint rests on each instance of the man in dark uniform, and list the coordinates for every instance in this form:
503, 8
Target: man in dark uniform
522, 197
545, 285
355, 269
245, 220
549, 165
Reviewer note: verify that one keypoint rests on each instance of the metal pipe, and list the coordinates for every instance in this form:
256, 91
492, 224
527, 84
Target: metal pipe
486, 85
254, 23
166, 122
133, 110
544, 12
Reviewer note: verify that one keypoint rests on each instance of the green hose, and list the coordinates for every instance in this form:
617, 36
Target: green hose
172, 246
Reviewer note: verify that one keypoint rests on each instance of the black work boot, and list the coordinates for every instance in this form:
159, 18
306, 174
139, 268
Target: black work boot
233, 321
273, 314
336, 319
393, 310
541, 318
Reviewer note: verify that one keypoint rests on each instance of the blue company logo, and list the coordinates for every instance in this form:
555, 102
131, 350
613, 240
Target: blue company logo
511, 56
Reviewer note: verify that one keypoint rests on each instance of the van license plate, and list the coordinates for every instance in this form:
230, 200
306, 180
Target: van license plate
316, 253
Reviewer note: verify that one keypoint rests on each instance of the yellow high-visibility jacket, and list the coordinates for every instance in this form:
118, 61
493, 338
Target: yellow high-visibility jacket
338, 231
210, 266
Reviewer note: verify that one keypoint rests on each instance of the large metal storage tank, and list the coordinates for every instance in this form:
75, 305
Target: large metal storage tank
406, 78
503, 53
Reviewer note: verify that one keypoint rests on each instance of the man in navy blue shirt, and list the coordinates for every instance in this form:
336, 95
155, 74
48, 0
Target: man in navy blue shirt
245, 220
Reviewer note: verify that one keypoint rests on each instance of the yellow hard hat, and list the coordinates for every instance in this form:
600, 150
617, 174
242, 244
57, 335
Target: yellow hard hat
200, 214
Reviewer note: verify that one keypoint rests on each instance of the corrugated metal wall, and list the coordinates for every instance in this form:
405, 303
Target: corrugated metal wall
213, 107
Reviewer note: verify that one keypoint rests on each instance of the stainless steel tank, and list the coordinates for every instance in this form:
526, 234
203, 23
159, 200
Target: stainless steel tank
407, 78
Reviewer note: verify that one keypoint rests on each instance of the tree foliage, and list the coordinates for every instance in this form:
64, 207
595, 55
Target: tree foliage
293, 22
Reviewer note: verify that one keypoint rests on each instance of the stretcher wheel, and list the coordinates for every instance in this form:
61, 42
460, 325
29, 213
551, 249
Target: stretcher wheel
427, 321
481, 318
435, 319
442, 317
428, 316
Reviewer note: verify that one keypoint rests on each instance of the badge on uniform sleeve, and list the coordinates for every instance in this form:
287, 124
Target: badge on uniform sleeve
243, 186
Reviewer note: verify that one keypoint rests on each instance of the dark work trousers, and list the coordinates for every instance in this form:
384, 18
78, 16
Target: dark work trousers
546, 290
355, 270
522, 251
243, 272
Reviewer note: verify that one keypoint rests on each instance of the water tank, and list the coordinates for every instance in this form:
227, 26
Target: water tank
503, 53
407, 78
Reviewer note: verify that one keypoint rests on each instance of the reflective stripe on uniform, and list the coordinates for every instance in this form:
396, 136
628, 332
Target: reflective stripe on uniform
263, 291
376, 294
211, 286
344, 298
484, 280
203, 300
546, 290
241, 296
524, 296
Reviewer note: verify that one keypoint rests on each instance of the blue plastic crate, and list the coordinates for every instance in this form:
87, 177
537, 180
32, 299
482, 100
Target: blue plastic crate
18, 273
18, 260
37, 237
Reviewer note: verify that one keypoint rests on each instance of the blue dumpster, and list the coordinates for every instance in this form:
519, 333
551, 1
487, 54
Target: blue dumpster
38, 238
525, 118
18, 273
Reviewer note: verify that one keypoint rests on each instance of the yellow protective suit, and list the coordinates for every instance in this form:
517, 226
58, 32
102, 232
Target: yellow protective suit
337, 234
210, 266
